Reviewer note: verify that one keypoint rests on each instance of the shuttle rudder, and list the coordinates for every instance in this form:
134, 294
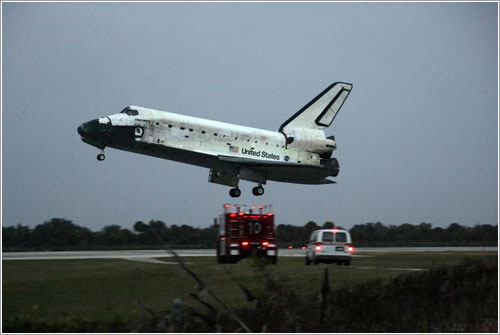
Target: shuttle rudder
320, 112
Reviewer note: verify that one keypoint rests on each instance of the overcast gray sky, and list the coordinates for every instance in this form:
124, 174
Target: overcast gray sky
417, 138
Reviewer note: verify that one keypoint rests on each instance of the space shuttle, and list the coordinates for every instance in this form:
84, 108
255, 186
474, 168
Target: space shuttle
299, 152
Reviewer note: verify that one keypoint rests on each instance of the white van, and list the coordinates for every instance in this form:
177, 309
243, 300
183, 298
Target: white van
329, 246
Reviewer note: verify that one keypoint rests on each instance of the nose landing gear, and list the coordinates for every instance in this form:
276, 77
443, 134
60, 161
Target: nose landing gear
101, 156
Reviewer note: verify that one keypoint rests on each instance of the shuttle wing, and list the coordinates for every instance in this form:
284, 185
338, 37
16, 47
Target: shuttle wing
282, 171
249, 162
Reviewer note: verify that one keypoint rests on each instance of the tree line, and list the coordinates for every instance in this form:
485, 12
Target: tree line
405, 235
62, 234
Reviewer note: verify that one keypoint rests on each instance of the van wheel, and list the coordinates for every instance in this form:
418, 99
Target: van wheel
347, 263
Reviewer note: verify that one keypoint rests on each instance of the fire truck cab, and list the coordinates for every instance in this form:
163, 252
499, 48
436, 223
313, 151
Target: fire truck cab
245, 230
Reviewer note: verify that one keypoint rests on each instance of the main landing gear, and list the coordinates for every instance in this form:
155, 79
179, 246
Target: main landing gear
236, 192
258, 190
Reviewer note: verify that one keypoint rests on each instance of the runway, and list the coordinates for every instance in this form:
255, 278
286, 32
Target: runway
104, 254
152, 255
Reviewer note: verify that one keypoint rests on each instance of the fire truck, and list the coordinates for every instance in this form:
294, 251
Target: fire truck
245, 230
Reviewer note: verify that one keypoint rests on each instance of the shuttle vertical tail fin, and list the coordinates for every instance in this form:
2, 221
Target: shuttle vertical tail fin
320, 112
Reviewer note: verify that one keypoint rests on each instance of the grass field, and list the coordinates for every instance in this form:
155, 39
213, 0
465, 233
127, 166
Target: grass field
103, 290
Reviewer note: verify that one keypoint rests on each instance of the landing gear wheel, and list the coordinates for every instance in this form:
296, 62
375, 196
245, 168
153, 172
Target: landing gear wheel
235, 192
101, 157
258, 190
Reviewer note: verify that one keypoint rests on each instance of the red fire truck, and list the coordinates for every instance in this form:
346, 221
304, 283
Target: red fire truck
245, 230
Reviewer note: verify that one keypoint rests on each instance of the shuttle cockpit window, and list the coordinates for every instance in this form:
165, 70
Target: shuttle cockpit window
129, 111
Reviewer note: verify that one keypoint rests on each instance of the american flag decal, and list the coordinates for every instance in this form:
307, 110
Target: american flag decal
234, 148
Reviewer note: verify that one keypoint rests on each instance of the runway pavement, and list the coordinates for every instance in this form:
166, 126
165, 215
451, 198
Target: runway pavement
104, 254
153, 254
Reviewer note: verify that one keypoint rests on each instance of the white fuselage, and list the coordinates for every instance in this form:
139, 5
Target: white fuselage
210, 137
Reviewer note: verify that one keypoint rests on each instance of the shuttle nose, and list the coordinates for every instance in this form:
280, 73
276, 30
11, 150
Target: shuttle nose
88, 129
81, 130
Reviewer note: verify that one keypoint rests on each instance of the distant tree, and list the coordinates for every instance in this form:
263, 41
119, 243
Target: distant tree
360, 233
115, 235
174, 233
424, 232
188, 234
140, 227
328, 225
457, 233
208, 236
438, 234
405, 232
454, 227
289, 234
58, 233
158, 226
308, 228
372, 232
149, 233
17, 237
160, 229
484, 233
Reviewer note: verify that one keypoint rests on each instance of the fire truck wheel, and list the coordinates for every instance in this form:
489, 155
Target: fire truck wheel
258, 190
235, 192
